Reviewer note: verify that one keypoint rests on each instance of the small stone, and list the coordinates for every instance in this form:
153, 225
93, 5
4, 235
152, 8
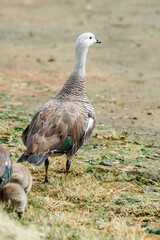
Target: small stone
138, 165
89, 7
38, 60
104, 163
114, 100
31, 34
138, 44
51, 59
140, 74
120, 18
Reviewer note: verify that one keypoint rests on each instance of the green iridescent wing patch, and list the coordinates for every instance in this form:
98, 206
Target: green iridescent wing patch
5, 173
66, 144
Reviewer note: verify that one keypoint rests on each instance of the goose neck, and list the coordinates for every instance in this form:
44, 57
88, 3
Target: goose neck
80, 60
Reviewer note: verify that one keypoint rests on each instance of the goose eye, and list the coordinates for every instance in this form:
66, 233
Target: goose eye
90, 37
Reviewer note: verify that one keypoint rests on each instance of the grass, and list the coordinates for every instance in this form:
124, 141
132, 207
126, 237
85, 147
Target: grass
114, 202
12, 229
94, 201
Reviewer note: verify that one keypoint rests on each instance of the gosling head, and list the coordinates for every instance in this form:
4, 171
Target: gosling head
86, 40
15, 194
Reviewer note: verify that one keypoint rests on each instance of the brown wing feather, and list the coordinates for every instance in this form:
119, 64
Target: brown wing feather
52, 124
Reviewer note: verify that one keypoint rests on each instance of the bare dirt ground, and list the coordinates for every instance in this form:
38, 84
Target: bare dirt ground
37, 40
123, 74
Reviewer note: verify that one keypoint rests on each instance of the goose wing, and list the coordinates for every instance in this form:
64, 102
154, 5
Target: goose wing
57, 127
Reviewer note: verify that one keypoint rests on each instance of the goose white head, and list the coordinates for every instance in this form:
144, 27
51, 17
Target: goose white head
83, 42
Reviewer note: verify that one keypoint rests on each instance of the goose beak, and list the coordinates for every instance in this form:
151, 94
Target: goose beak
97, 41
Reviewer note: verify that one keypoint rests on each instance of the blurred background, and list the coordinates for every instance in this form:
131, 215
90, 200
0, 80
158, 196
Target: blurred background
37, 40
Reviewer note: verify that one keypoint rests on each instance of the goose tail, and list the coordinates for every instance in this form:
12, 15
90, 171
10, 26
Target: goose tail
23, 158
36, 159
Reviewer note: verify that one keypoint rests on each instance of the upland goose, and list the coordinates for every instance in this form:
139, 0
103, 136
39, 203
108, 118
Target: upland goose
22, 176
5, 167
65, 122
14, 195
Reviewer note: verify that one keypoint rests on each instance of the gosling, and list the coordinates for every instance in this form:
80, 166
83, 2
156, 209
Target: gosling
22, 176
14, 195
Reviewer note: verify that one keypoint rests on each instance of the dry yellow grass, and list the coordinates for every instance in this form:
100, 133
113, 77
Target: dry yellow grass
11, 229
